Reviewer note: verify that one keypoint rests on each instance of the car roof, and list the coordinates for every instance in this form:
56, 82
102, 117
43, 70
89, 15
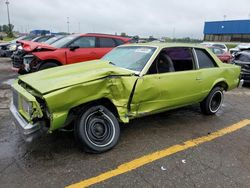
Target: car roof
106, 35
166, 45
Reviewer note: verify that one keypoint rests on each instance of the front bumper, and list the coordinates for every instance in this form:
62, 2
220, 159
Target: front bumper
29, 131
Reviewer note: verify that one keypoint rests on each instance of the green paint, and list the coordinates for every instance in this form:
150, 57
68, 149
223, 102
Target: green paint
66, 87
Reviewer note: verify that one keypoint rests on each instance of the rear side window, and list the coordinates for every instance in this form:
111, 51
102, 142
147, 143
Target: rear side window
84, 42
204, 59
107, 42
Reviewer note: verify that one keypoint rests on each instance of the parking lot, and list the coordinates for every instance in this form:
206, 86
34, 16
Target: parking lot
55, 160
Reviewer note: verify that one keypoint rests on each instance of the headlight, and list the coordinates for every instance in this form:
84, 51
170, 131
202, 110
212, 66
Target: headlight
27, 106
12, 47
26, 61
19, 47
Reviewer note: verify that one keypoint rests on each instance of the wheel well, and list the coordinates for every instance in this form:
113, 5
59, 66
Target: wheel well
51, 61
103, 101
222, 84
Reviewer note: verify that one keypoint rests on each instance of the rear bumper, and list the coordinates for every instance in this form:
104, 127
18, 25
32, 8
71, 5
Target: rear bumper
29, 131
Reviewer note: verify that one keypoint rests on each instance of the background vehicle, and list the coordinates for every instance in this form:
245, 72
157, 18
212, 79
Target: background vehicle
239, 47
68, 50
218, 45
18, 55
54, 39
243, 59
129, 82
225, 57
6, 49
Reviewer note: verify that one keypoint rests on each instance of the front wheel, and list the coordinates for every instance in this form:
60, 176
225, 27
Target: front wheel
97, 129
212, 103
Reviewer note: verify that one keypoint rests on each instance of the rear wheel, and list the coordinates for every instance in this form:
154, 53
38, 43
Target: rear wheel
212, 103
48, 65
97, 129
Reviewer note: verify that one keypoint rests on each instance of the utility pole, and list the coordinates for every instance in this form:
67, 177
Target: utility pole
68, 24
7, 4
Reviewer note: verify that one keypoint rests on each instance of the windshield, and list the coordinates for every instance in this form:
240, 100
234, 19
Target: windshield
130, 57
62, 42
53, 39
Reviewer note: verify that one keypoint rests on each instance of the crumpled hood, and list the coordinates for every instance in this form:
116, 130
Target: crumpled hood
30, 46
64, 76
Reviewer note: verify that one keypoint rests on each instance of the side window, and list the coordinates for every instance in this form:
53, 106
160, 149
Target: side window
173, 60
106, 42
84, 42
217, 51
204, 59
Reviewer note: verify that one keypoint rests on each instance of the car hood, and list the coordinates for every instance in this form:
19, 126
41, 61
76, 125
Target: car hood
53, 79
30, 46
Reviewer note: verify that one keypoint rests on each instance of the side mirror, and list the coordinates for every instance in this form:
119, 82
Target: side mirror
73, 48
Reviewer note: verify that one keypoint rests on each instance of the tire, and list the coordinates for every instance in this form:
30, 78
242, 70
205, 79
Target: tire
96, 129
212, 103
47, 65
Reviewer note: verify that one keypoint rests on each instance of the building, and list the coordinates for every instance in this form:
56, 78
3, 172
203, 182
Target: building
227, 31
40, 32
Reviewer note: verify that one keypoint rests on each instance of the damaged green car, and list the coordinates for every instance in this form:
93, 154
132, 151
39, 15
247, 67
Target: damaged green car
130, 81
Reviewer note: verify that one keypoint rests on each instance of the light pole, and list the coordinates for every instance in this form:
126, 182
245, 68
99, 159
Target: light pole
7, 4
68, 24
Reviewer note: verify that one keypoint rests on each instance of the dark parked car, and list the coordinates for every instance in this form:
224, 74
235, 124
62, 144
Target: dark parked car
6, 49
243, 59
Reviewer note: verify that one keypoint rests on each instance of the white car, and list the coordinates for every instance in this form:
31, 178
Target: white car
219, 45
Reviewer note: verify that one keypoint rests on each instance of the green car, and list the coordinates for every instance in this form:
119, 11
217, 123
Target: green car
129, 82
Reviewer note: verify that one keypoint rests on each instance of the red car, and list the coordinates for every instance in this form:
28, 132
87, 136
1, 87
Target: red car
68, 50
225, 57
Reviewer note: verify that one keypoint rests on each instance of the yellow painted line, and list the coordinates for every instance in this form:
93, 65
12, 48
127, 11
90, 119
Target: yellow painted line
134, 164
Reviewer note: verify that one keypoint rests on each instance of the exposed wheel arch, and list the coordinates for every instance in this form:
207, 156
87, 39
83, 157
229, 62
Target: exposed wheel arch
222, 84
50, 61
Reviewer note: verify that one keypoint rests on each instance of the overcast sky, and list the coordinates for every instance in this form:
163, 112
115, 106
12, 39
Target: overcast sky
143, 17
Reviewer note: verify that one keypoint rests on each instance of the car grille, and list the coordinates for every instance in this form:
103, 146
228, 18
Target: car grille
15, 98
17, 59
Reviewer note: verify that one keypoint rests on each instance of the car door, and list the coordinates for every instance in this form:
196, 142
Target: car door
209, 70
81, 49
163, 90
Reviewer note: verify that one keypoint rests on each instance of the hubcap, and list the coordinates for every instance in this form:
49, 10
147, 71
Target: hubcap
216, 101
99, 129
